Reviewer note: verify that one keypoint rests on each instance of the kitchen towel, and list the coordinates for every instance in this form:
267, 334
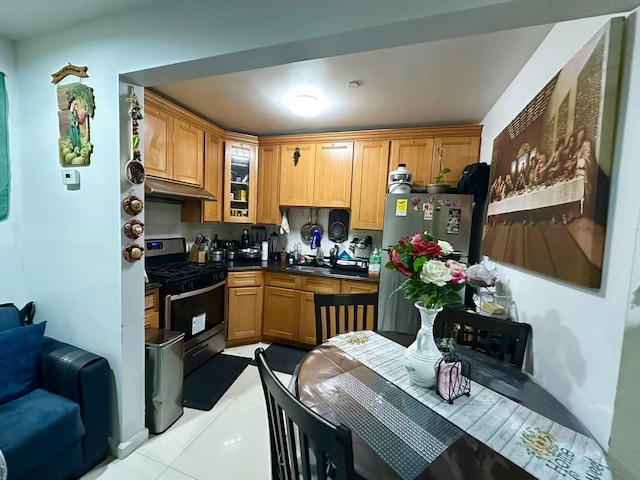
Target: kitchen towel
284, 225
4, 152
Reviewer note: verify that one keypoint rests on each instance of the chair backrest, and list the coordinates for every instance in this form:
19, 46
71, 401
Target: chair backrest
303, 444
502, 339
341, 313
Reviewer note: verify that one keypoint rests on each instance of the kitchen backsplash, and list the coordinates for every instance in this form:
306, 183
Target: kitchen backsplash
163, 221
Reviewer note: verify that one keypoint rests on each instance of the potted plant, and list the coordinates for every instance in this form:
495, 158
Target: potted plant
440, 186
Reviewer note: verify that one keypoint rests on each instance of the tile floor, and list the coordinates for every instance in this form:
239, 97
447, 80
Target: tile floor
229, 441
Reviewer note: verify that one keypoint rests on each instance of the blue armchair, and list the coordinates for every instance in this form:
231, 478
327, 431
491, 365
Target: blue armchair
58, 429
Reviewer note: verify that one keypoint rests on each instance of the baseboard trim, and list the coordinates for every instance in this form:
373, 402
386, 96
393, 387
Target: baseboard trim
124, 449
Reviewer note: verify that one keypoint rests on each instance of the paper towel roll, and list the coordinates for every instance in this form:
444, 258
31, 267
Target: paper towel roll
265, 251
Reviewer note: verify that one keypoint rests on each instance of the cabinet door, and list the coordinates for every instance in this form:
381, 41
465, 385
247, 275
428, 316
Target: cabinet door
245, 312
456, 153
417, 155
213, 173
268, 208
158, 142
241, 185
188, 153
296, 181
369, 186
333, 173
307, 324
281, 313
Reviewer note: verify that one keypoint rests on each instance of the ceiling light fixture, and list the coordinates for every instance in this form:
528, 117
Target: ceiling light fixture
307, 102
353, 84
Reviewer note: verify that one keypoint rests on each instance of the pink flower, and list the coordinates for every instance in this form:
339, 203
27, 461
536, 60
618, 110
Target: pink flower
416, 238
458, 271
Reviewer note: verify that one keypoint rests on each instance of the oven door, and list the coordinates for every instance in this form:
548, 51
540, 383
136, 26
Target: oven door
200, 313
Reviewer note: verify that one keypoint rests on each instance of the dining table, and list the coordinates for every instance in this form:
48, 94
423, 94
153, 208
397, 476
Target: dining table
509, 427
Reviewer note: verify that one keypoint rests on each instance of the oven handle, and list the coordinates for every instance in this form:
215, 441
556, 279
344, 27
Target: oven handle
172, 298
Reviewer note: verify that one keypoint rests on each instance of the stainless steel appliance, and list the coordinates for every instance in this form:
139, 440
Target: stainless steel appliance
193, 298
164, 365
447, 216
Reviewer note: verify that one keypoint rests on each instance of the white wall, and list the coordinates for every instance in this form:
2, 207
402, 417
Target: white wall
577, 333
12, 283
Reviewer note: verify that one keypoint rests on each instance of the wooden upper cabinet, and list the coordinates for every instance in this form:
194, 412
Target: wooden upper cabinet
188, 153
240, 182
296, 181
268, 209
457, 153
417, 155
158, 141
369, 186
213, 172
333, 173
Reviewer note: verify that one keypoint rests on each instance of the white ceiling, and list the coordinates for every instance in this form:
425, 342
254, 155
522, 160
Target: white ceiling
21, 19
445, 82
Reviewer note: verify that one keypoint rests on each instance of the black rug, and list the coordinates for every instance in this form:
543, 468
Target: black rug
205, 385
283, 359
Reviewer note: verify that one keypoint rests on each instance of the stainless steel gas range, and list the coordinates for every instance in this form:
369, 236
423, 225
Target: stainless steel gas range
192, 298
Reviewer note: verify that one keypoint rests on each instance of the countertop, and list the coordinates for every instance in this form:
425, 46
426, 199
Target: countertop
299, 270
150, 285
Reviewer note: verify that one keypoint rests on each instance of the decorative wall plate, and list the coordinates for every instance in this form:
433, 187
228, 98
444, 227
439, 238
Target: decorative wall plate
135, 172
134, 228
133, 205
133, 252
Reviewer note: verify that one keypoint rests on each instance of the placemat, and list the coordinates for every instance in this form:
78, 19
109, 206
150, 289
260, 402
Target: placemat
543, 448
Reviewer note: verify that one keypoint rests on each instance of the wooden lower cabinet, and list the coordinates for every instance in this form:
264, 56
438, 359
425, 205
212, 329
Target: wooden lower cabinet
281, 313
307, 325
245, 313
152, 308
351, 286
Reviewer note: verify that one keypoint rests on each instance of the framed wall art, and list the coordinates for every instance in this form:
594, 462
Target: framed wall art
551, 169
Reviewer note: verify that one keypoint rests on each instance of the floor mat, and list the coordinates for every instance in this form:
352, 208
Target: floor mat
205, 386
283, 359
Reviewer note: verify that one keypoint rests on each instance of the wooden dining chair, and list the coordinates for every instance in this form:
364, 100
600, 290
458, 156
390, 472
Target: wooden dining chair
502, 339
341, 313
303, 444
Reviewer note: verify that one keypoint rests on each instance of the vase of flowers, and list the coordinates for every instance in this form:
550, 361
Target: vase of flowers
433, 281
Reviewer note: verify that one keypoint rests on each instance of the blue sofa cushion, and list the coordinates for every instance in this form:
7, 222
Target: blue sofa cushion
9, 317
48, 425
20, 351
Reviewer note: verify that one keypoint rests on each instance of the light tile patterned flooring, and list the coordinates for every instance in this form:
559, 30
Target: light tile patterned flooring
229, 442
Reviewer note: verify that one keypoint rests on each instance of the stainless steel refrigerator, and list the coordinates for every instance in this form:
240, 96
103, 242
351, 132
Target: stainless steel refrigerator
447, 216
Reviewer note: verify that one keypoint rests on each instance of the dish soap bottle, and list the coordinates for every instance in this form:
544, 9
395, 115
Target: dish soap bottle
375, 261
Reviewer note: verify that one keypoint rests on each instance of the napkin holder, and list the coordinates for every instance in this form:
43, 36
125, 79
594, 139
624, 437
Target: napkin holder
453, 380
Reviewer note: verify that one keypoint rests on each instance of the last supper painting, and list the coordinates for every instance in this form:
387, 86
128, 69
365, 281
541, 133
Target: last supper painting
551, 170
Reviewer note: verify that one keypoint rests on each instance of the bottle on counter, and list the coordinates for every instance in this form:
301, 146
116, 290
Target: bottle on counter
375, 262
215, 243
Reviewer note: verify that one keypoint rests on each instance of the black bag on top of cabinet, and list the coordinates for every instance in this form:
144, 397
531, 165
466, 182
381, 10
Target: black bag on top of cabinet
475, 180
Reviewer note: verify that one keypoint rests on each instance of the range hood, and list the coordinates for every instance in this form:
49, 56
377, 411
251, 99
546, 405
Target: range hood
158, 188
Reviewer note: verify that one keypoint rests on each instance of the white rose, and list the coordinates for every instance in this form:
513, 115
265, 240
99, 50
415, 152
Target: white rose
446, 247
436, 272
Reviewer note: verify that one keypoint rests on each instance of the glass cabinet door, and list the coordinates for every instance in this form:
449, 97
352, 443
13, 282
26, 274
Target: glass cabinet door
241, 183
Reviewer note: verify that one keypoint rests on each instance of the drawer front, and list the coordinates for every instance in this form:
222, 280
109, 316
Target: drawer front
355, 286
151, 300
152, 320
320, 285
282, 280
244, 279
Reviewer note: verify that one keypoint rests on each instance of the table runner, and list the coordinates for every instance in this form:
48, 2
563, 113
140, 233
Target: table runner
541, 447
